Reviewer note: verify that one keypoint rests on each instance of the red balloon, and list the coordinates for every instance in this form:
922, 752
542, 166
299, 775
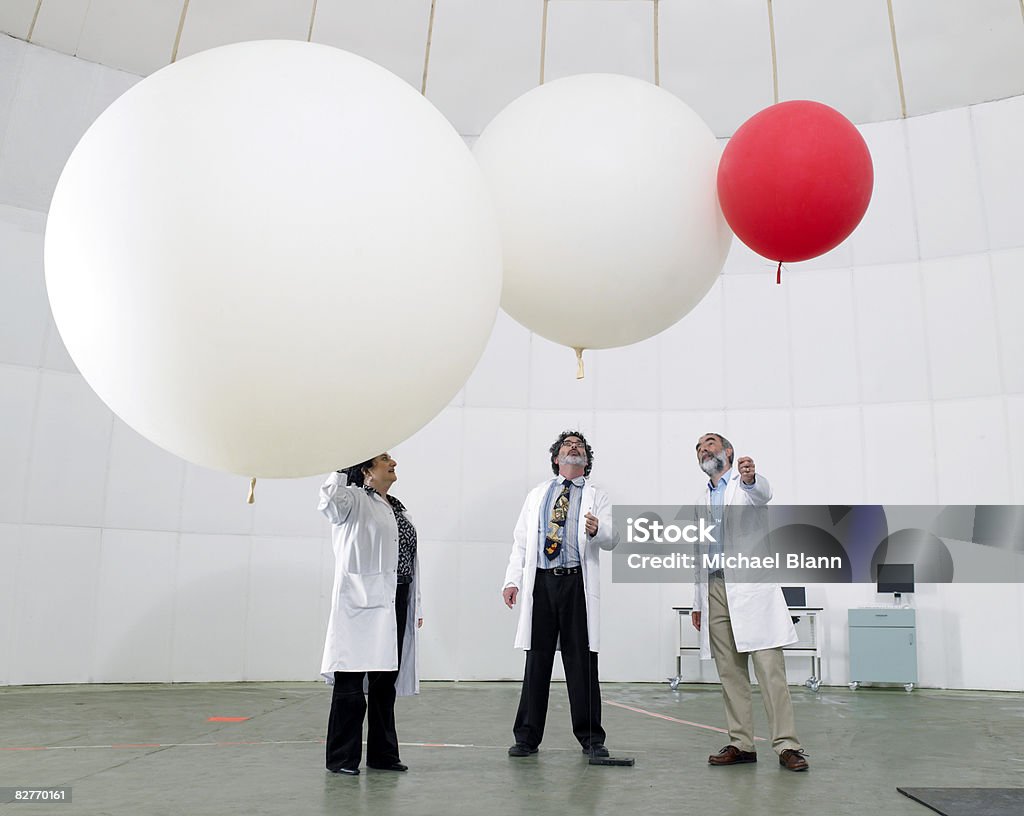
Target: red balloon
795, 180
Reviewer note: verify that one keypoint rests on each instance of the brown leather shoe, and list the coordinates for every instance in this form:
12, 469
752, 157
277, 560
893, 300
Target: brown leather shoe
793, 760
731, 755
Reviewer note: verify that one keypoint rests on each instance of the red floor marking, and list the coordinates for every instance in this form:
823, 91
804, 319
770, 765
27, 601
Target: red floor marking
673, 719
226, 719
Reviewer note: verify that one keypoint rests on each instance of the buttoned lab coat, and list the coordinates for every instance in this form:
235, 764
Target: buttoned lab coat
525, 557
758, 611
362, 634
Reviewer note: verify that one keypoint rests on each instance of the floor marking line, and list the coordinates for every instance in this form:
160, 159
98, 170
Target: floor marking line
674, 719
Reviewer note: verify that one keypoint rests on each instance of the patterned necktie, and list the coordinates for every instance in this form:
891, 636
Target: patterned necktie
556, 527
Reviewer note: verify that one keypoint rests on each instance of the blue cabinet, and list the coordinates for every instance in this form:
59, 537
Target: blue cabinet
883, 646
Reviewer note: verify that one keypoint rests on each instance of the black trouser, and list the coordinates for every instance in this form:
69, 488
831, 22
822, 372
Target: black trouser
560, 609
349, 706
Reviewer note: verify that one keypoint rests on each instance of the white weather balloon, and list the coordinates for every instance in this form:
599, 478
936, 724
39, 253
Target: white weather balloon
606, 197
273, 258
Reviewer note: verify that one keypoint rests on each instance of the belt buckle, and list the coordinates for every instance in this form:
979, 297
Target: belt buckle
561, 571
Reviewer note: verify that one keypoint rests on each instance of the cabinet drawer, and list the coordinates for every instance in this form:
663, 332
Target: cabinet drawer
881, 617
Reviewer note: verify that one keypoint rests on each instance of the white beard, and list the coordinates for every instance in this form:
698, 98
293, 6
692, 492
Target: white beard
575, 459
716, 464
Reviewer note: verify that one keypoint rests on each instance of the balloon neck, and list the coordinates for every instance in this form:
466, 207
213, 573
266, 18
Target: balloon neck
778, 273
579, 363
252, 491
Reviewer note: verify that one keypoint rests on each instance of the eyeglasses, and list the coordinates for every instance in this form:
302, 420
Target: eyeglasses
574, 443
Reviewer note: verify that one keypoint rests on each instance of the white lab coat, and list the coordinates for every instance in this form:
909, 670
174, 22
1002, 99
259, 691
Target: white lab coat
524, 558
362, 633
758, 611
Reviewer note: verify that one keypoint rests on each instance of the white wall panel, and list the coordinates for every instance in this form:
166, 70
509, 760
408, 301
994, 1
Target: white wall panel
24, 310
47, 118
961, 324
1015, 423
483, 55
888, 233
627, 455
430, 469
899, 454
10, 560
283, 640
391, 33
766, 437
717, 58
1009, 296
439, 580
144, 484
70, 450
56, 605
825, 365
135, 607
486, 627
891, 338
287, 507
1001, 169
828, 456
955, 54
600, 36
553, 383
18, 389
756, 338
840, 54
947, 195
494, 466
692, 358
215, 502
972, 461
59, 25
630, 378
16, 16
12, 56
501, 378
136, 37
210, 23
210, 605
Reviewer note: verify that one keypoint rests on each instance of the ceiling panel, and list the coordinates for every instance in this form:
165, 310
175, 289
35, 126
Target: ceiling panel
392, 33
59, 24
717, 58
959, 53
137, 37
839, 53
16, 17
484, 54
210, 23
607, 36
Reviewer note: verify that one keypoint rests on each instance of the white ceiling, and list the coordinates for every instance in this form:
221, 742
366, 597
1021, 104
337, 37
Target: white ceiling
871, 59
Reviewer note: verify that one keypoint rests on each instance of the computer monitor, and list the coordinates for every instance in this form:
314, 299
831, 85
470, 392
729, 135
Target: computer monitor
895, 578
795, 596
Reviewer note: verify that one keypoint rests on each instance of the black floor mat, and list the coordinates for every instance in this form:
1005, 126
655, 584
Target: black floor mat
969, 801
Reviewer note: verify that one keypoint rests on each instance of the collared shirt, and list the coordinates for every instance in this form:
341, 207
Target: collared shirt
569, 554
406, 535
717, 494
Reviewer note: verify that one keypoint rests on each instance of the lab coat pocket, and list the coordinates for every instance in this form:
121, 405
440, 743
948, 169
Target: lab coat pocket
368, 591
365, 558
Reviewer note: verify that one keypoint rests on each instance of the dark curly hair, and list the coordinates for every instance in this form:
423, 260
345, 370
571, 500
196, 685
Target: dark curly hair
357, 473
553, 450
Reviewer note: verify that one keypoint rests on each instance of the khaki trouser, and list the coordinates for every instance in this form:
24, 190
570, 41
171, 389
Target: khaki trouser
770, 668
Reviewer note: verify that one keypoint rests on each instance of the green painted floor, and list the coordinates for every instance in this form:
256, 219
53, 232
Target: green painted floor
150, 749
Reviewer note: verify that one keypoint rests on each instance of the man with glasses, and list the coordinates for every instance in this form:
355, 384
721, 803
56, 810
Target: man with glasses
554, 571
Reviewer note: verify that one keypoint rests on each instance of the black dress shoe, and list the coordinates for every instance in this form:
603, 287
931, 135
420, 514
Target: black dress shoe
394, 766
731, 755
345, 771
521, 749
597, 750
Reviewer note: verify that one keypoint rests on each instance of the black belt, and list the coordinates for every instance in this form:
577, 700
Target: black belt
405, 579
560, 570
717, 574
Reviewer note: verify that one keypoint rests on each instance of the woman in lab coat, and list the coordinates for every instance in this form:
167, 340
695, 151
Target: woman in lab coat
371, 637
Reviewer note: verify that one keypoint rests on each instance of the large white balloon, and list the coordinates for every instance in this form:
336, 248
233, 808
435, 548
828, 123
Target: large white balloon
606, 197
273, 258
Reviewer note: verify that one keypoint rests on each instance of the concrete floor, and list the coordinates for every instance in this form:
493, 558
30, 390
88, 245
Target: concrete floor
150, 749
